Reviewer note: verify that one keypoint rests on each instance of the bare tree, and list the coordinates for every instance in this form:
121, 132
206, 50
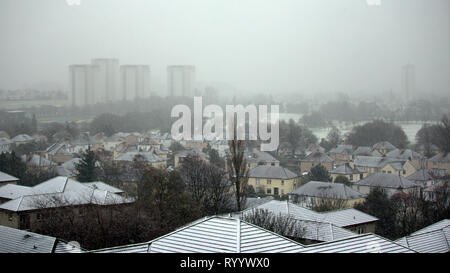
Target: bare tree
285, 225
208, 185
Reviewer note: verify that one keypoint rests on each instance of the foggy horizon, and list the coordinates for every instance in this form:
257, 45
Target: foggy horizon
256, 46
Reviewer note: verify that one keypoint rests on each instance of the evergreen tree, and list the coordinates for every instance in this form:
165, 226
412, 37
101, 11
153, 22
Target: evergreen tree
319, 173
87, 171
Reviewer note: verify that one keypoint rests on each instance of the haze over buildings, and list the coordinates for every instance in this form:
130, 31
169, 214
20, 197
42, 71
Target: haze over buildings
181, 80
408, 81
256, 46
103, 81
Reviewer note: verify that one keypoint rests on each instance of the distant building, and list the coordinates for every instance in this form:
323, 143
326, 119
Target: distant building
83, 84
107, 79
181, 80
135, 82
408, 81
315, 159
390, 183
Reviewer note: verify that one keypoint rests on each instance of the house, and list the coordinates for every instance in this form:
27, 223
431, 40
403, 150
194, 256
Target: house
12, 191
352, 174
375, 164
181, 155
383, 147
58, 153
315, 193
214, 235
341, 154
350, 218
5, 145
25, 211
197, 144
431, 239
315, 159
424, 177
7, 179
364, 243
22, 139
149, 158
403, 168
68, 168
84, 142
415, 158
440, 162
364, 151
20, 241
272, 180
256, 157
314, 147
391, 183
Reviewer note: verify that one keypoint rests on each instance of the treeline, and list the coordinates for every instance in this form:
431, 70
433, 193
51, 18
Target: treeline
402, 214
346, 111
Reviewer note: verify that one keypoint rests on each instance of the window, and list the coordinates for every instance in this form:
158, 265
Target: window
39, 216
389, 172
360, 230
10, 217
269, 182
282, 182
404, 171
257, 181
282, 191
269, 191
351, 177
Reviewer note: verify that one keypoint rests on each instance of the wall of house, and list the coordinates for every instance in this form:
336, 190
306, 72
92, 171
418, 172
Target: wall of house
284, 186
9, 219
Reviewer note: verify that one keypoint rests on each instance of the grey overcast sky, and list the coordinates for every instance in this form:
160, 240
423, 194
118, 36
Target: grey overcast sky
257, 45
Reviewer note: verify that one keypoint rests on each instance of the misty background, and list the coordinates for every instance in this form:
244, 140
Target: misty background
255, 46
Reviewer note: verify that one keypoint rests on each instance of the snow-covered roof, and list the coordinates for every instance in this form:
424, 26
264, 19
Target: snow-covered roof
20, 241
4, 177
215, 235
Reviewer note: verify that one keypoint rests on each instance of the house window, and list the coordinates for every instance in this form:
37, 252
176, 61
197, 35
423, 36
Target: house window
360, 230
404, 171
269, 182
282, 191
389, 172
39, 216
10, 217
257, 181
282, 182
269, 191
351, 177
